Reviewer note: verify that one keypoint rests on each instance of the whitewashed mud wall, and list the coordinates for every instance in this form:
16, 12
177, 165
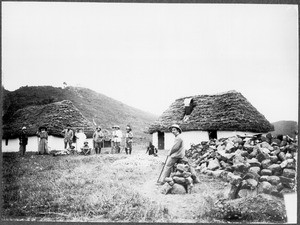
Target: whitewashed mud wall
55, 143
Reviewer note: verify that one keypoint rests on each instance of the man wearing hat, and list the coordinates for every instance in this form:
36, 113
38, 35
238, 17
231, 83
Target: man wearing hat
86, 150
98, 139
23, 141
118, 138
177, 152
68, 136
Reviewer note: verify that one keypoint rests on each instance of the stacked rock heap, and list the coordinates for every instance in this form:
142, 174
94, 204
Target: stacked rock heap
251, 164
181, 180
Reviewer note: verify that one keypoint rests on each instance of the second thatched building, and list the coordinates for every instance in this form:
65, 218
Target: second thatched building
203, 117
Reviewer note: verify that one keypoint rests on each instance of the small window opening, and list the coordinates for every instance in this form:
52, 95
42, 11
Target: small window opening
212, 134
188, 108
188, 105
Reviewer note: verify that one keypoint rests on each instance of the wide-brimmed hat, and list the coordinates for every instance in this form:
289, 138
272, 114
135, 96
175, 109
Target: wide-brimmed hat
116, 126
98, 127
175, 126
42, 127
23, 128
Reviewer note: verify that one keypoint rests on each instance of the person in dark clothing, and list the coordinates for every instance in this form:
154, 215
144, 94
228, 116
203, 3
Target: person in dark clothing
151, 149
128, 140
23, 138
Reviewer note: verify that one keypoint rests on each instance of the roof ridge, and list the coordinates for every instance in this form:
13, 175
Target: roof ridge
216, 94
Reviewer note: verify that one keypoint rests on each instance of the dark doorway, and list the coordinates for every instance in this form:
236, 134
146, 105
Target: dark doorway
161, 140
212, 134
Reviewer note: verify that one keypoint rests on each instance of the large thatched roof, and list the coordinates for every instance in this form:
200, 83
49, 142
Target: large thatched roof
54, 116
228, 111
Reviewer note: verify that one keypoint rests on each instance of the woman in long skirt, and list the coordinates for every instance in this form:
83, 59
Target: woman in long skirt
43, 143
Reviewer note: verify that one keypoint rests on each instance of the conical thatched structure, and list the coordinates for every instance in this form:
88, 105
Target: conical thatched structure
54, 116
228, 111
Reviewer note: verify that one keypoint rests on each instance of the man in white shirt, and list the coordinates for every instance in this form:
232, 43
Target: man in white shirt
118, 138
177, 152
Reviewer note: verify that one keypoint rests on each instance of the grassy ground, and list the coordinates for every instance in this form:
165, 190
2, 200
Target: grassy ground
102, 188
74, 188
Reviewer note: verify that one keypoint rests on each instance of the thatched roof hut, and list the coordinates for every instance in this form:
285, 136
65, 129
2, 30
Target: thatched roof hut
54, 116
228, 111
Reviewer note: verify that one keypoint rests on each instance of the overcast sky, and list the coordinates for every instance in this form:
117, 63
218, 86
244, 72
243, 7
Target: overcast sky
148, 55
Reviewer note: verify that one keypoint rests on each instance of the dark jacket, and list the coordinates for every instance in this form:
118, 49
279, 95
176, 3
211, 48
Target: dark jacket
23, 138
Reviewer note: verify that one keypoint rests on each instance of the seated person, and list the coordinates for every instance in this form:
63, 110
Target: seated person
151, 149
72, 149
86, 149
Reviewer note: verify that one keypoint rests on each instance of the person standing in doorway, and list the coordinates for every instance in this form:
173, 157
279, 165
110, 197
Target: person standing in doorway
128, 140
23, 140
43, 143
68, 136
98, 140
177, 152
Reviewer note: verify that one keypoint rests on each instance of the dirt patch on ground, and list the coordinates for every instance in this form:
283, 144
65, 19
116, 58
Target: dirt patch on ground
182, 208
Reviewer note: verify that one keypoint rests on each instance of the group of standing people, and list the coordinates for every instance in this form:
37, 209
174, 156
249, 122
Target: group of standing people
42, 141
81, 140
117, 137
98, 139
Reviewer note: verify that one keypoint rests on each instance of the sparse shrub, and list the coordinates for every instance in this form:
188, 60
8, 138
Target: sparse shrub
260, 208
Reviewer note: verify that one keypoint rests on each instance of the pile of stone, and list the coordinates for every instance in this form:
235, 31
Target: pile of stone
181, 180
251, 164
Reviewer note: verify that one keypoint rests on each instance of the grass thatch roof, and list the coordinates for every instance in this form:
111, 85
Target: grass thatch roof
55, 116
105, 111
228, 111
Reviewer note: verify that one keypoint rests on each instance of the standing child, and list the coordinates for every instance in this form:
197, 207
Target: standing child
128, 140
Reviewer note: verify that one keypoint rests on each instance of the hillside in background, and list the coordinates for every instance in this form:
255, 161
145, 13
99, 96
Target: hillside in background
94, 106
285, 128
